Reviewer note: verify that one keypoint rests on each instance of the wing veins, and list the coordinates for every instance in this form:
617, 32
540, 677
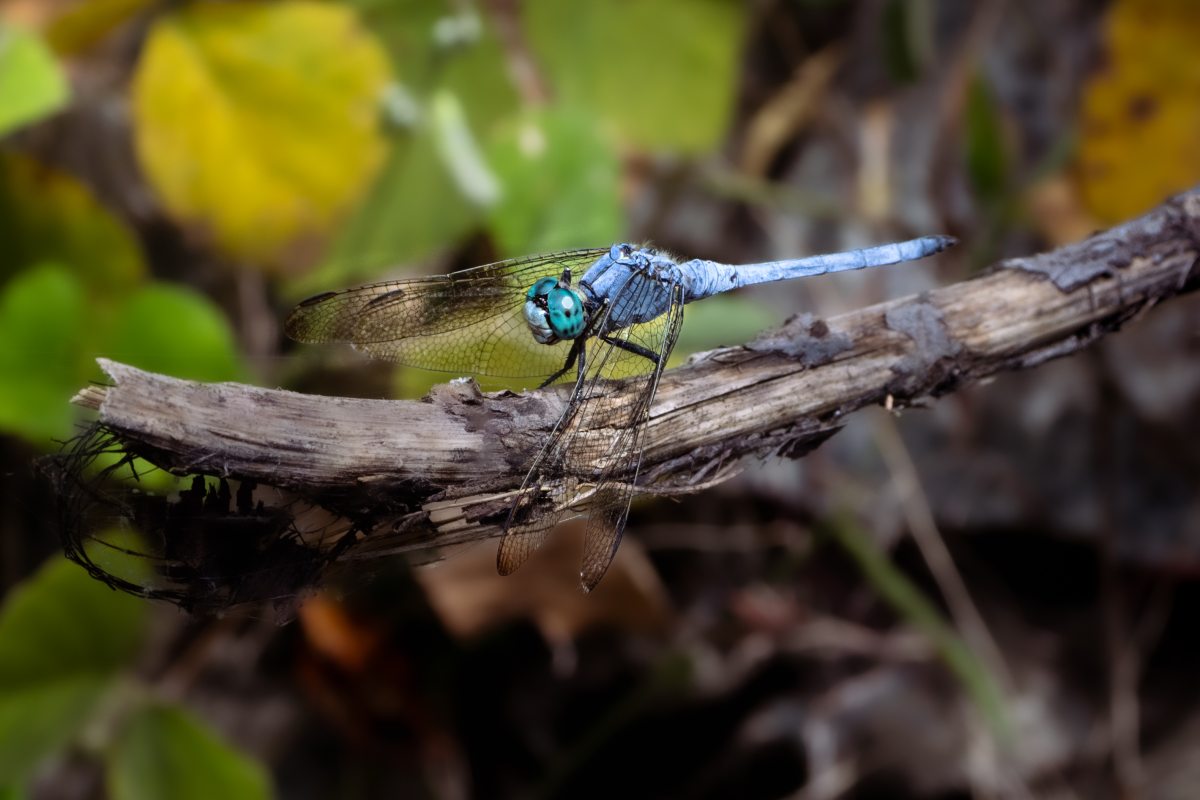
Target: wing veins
565, 443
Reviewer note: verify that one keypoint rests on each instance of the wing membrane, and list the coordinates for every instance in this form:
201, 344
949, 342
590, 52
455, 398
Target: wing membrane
595, 451
465, 322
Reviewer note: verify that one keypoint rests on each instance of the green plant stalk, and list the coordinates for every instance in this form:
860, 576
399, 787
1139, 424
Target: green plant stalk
912, 606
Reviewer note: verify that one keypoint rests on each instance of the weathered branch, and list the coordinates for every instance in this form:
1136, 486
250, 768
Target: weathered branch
441, 465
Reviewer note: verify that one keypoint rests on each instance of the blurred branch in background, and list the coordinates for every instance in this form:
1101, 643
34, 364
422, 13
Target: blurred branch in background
384, 477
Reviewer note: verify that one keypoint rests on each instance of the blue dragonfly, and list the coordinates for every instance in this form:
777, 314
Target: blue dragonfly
530, 318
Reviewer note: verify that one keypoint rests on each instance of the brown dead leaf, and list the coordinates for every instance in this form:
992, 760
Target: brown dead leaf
1057, 211
336, 636
470, 597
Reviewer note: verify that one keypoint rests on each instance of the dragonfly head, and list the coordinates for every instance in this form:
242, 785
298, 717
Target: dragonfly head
554, 311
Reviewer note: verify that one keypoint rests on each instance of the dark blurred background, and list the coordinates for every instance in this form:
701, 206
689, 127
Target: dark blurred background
993, 597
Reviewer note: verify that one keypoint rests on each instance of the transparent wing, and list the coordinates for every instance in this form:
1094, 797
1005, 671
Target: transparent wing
595, 452
465, 322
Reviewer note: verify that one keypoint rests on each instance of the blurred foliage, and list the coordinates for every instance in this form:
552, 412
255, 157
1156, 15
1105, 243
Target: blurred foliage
66, 641
907, 37
51, 331
164, 752
421, 202
249, 126
715, 324
671, 89
415, 207
987, 158
1140, 121
31, 82
173, 330
41, 333
63, 639
82, 25
77, 288
49, 216
560, 184
916, 609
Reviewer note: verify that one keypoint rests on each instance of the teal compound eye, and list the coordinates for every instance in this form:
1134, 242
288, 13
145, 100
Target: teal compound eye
564, 309
541, 288
554, 312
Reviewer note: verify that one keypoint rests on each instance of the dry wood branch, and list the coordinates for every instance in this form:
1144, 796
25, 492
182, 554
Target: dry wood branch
441, 466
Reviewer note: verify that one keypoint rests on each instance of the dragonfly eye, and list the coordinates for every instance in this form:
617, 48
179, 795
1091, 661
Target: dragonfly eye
540, 289
565, 312
554, 312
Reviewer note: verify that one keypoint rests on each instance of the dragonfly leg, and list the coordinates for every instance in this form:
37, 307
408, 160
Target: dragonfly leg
634, 348
578, 345
574, 355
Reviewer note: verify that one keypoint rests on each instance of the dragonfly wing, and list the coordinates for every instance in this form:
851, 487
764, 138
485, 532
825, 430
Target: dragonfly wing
594, 453
544, 497
465, 322
623, 458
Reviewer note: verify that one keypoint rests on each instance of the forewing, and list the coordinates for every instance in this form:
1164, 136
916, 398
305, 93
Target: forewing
595, 451
465, 322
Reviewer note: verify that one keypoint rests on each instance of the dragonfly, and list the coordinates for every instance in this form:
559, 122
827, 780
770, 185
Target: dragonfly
592, 317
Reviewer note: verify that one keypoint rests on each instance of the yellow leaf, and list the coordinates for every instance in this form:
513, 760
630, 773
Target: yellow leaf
1140, 122
259, 123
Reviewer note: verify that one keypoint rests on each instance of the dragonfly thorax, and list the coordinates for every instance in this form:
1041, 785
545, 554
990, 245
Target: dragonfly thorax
554, 311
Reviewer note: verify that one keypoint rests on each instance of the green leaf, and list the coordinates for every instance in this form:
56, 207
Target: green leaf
987, 156
469, 65
171, 329
41, 327
63, 636
38, 721
907, 33
31, 84
11, 793
416, 207
63, 624
559, 179
660, 73
413, 210
48, 216
259, 122
165, 752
